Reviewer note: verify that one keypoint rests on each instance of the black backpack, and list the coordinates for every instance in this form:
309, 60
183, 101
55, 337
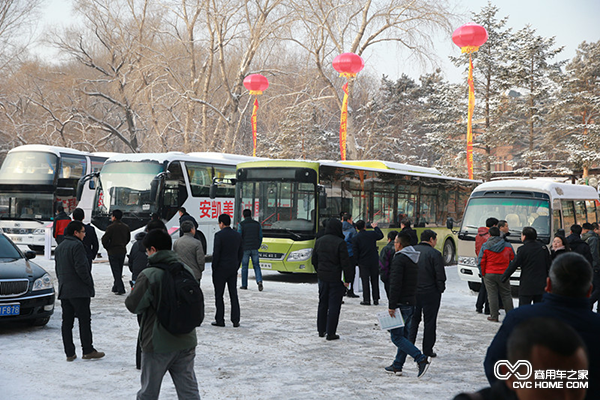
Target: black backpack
181, 307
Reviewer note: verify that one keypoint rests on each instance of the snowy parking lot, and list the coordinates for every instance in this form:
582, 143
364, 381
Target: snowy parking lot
275, 354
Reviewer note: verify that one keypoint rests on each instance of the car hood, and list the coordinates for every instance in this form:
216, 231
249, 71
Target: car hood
19, 269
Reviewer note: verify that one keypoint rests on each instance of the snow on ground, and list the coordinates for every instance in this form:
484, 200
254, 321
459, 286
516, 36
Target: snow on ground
275, 354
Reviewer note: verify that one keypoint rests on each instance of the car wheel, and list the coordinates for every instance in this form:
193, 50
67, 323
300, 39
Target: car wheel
474, 286
40, 321
449, 252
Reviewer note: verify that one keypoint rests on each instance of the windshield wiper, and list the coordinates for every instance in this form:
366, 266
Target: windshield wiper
288, 230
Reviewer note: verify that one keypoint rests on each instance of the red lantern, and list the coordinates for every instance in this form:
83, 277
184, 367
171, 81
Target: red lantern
348, 64
256, 83
469, 37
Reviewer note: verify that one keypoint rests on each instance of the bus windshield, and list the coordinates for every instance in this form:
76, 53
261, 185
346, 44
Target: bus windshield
129, 186
519, 213
37, 168
280, 206
26, 206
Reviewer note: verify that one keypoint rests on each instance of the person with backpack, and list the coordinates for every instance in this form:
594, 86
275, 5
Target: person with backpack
163, 350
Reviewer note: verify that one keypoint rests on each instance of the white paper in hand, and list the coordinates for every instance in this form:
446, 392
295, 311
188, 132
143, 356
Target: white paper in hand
386, 322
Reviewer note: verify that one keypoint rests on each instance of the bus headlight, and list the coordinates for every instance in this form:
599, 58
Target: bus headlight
45, 282
300, 255
40, 231
470, 261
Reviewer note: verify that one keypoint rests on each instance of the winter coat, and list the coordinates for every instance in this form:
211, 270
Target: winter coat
227, 252
574, 311
534, 260
60, 223
116, 238
413, 235
251, 232
581, 247
496, 255
349, 232
138, 259
483, 234
73, 270
432, 274
592, 239
556, 253
90, 242
143, 300
365, 247
404, 278
190, 252
330, 255
385, 260
187, 217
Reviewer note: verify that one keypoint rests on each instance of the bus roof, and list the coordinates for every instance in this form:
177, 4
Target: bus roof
554, 189
370, 165
48, 149
214, 158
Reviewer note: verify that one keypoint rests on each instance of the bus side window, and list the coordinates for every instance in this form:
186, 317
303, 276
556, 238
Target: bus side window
568, 214
557, 220
580, 214
591, 211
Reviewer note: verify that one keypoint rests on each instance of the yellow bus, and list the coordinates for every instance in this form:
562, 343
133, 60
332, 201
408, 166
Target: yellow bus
291, 199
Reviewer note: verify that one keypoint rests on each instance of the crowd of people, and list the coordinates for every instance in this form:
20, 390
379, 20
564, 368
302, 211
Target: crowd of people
554, 325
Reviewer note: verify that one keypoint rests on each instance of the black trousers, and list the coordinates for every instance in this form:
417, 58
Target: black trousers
428, 305
369, 276
116, 266
219, 282
76, 308
330, 304
528, 299
352, 275
482, 300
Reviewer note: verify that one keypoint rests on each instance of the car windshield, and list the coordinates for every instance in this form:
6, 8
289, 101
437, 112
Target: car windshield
519, 213
8, 251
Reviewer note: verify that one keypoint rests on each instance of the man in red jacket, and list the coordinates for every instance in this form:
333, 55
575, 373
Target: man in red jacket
483, 234
496, 255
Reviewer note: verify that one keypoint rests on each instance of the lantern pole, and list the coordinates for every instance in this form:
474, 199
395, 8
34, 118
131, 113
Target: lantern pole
255, 83
348, 65
469, 37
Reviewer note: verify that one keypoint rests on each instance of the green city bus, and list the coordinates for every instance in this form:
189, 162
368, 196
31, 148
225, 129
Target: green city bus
292, 200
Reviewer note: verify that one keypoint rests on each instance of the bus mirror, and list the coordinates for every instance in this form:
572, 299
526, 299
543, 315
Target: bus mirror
212, 193
450, 223
79, 189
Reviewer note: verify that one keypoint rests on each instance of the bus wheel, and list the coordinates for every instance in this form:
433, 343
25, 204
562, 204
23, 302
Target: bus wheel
448, 252
474, 286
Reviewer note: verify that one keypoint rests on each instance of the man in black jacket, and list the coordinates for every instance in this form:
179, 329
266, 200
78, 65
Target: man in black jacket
251, 232
75, 289
405, 225
432, 283
534, 260
227, 257
403, 288
90, 241
578, 245
115, 241
364, 246
330, 258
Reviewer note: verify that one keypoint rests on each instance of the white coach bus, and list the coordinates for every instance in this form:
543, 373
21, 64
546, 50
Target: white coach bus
545, 205
33, 178
147, 183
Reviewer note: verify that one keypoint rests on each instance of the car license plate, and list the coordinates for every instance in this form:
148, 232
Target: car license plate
266, 266
16, 238
10, 309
